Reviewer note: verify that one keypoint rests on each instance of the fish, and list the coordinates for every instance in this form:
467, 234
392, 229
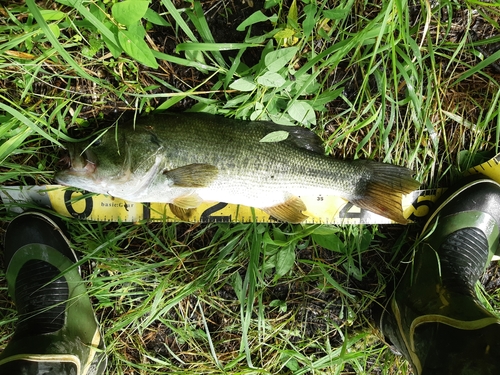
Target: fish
184, 159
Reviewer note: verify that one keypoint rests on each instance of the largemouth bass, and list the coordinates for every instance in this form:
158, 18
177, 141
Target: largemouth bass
186, 159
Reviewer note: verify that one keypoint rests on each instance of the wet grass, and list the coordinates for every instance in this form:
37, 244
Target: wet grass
401, 82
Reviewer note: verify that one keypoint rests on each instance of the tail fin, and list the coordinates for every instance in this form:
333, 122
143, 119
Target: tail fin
382, 193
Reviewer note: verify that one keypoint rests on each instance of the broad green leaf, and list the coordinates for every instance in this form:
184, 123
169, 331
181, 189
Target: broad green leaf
336, 14
327, 96
289, 361
279, 235
306, 84
292, 18
52, 15
330, 242
284, 34
275, 60
97, 10
302, 112
276, 136
256, 18
236, 101
310, 20
282, 119
271, 79
285, 259
155, 18
366, 240
137, 29
326, 230
129, 12
243, 84
270, 3
257, 114
115, 49
132, 42
278, 303
55, 29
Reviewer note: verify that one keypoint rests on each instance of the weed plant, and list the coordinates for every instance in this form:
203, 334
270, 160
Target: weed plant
405, 82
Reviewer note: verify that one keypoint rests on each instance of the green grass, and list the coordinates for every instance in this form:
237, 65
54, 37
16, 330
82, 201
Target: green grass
395, 81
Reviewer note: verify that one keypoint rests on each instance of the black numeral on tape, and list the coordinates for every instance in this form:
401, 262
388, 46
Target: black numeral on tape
87, 210
206, 216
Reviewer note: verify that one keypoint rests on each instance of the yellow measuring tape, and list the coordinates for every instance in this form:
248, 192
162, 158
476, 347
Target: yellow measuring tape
320, 209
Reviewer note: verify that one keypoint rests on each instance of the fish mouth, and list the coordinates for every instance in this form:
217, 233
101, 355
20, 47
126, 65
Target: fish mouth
78, 161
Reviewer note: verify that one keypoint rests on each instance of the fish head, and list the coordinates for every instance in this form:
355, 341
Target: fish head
120, 162
96, 165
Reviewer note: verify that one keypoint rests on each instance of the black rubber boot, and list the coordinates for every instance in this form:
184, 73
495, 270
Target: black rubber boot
434, 317
57, 332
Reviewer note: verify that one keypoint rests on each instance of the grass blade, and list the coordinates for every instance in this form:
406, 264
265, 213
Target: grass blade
55, 43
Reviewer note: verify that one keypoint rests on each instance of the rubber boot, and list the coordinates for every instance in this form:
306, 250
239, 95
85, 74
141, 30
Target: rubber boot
57, 332
434, 317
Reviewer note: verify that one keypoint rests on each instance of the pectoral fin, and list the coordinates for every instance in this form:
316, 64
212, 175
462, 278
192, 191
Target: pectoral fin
192, 175
289, 211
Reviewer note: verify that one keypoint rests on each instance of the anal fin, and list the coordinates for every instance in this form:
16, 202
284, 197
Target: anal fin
289, 211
